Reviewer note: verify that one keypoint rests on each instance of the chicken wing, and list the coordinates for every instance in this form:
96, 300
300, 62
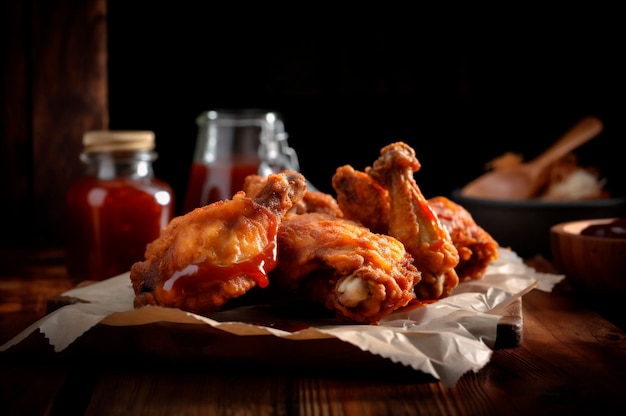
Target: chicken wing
312, 201
217, 252
476, 247
413, 222
362, 199
359, 275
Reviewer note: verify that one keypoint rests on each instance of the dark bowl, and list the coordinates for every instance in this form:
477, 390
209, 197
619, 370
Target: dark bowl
524, 226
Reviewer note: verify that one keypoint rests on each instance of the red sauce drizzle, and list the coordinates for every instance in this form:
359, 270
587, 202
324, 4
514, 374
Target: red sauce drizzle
433, 219
256, 267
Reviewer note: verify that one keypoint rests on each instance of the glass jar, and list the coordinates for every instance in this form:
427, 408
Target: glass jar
117, 208
232, 144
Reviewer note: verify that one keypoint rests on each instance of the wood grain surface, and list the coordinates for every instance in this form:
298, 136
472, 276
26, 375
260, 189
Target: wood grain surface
571, 361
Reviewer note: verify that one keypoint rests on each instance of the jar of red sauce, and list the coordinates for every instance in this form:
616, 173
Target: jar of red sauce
117, 208
232, 144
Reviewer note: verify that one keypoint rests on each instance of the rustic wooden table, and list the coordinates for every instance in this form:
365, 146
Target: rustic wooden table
572, 360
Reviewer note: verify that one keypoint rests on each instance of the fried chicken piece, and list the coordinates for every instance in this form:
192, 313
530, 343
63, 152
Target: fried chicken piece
217, 252
366, 201
476, 247
313, 201
359, 275
317, 201
413, 222
362, 199
252, 184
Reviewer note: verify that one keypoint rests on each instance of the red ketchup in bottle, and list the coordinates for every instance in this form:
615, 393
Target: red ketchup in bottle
117, 208
232, 144
217, 181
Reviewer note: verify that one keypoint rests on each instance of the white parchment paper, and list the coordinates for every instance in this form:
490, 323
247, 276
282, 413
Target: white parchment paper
445, 339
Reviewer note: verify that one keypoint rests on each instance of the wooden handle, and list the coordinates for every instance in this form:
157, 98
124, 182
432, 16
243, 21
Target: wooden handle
580, 133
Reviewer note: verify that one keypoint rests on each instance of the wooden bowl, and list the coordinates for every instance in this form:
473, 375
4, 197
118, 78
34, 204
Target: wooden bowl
594, 266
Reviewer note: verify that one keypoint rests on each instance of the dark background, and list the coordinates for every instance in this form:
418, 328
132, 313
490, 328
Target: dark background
460, 90
460, 84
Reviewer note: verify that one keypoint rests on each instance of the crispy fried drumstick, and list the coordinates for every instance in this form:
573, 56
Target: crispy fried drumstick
361, 198
414, 223
312, 201
359, 275
476, 247
216, 252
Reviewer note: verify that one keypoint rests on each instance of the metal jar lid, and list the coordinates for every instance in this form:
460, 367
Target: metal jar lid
118, 140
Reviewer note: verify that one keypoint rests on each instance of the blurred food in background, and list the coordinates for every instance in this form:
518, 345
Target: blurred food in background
563, 180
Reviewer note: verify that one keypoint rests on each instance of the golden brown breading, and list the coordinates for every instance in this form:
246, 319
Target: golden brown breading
216, 252
360, 275
313, 201
413, 222
362, 199
476, 247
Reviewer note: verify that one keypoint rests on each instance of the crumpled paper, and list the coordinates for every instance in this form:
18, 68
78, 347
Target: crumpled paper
445, 339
